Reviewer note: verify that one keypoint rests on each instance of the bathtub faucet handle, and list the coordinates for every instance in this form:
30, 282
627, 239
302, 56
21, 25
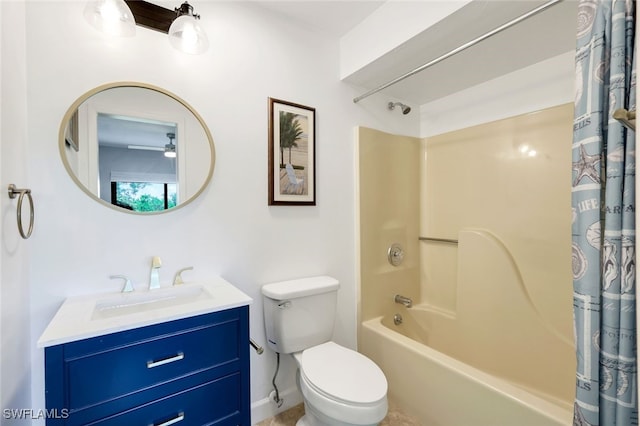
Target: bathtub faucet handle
395, 254
407, 302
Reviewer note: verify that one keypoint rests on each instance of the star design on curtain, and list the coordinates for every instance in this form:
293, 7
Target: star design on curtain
586, 167
578, 417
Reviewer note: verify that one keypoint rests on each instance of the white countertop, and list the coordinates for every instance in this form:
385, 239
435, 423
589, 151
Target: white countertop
95, 315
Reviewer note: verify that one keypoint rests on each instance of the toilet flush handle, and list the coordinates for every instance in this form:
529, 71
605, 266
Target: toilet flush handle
284, 305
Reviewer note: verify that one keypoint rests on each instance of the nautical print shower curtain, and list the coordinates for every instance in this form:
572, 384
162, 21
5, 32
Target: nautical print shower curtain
603, 204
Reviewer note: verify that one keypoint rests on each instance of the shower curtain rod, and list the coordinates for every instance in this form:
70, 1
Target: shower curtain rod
458, 49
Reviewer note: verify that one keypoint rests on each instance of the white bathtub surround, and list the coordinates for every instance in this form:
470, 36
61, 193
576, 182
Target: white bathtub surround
443, 391
489, 280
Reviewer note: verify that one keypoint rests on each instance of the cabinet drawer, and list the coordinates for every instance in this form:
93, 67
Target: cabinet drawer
215, 402
95, 378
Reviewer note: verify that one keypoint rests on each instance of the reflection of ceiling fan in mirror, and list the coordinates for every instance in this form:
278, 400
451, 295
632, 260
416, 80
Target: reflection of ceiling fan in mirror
169, 149
123, 131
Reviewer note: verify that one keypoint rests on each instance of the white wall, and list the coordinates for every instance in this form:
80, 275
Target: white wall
230, 231
542, 85
2, 354
387, 28
15, 345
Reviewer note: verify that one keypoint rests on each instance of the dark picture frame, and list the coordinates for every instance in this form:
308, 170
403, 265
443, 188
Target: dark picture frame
292, 145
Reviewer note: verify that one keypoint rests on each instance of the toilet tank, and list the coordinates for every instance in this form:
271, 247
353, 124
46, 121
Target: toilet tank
299, 313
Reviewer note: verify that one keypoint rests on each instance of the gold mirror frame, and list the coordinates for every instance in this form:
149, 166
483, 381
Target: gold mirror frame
69, 115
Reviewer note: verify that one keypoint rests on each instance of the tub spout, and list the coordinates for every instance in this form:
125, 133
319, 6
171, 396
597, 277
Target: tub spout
403, 300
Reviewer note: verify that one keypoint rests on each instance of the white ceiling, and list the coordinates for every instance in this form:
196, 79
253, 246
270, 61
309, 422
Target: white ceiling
332, 17
540, 37
547, 34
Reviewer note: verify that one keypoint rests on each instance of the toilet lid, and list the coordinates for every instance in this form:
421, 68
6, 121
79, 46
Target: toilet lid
343, 374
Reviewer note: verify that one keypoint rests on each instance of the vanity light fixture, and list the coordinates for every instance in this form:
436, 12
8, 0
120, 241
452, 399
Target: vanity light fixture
119, 17
112, 17
186, 33
170, 148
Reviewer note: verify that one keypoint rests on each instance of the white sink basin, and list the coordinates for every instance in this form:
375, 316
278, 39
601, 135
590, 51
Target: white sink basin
82, 317
133, 303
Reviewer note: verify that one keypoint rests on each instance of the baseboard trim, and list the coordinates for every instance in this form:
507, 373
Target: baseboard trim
265, 408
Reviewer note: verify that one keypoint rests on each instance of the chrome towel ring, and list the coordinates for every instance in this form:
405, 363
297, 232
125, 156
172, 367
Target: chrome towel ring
13, 192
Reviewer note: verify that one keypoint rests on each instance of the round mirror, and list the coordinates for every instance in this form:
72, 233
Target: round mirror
136, 148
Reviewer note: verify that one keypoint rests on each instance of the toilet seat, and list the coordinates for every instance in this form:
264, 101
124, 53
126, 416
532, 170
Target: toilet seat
343, 374
343, 383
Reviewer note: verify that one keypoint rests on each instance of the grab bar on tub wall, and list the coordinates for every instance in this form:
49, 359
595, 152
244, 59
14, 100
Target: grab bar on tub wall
440, 240
13, 192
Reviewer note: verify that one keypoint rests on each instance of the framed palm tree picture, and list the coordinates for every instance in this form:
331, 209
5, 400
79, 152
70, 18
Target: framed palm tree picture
292, 144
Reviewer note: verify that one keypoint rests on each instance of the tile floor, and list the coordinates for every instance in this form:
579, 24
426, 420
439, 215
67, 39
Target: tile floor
395, 417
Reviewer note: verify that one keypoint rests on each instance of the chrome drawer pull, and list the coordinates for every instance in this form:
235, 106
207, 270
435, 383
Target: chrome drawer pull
178, 418
151, 364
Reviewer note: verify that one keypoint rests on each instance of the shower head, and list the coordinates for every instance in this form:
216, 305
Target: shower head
405, 108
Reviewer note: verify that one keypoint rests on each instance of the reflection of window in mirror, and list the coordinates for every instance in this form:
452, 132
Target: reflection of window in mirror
137, 162
144, 196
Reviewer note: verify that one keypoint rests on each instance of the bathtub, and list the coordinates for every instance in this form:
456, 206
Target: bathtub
443, 391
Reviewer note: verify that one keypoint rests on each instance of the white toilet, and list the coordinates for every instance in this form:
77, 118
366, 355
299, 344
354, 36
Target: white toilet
340, 387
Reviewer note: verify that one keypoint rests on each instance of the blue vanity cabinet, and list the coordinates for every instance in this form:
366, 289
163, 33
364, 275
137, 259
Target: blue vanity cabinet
191, 371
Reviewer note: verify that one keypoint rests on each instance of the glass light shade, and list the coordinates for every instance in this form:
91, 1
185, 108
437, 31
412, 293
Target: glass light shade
186, 35
170, 150
112, 17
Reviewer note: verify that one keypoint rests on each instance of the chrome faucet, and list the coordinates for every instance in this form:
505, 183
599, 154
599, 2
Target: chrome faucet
154, 277
177, 279
403, 300
127, 287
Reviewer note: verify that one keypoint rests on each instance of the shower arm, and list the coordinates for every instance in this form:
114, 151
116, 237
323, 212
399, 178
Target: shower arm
458, 49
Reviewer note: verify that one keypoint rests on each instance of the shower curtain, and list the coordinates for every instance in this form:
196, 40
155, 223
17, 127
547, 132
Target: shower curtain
603, 204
